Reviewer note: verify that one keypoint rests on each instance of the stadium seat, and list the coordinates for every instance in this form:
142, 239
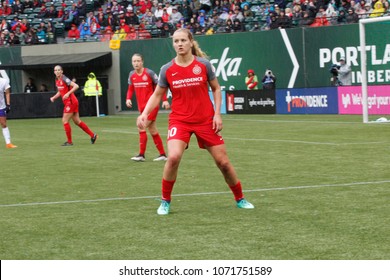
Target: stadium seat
59, 29
28, 11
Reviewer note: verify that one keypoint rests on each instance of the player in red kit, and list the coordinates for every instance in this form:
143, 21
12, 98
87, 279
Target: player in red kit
188, 76
66, 89
143, 81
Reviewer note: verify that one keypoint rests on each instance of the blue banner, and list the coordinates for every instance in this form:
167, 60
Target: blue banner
307, 101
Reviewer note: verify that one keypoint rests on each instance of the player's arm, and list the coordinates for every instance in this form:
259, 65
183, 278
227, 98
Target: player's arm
153, 102
216, 89
55, 96
129, 95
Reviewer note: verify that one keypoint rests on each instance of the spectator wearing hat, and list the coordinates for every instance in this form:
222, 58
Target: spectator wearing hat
251, 80
168, 6
175, 17
159, 11
165, 16
344, 72
73, 33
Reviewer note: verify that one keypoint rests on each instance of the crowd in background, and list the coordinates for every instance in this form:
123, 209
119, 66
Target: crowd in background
28, 22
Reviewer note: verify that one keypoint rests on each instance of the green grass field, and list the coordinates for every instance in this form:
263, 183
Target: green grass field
320, 184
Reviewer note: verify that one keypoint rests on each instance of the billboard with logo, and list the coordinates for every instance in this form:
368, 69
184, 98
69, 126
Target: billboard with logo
307, 101
250, 102
378, 101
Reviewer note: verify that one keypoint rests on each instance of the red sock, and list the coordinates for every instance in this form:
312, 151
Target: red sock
143, 140
86, 129
68, 132
159, 144
166, 189
237, 191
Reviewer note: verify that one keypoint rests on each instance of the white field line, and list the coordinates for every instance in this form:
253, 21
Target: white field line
266, 140
353, 184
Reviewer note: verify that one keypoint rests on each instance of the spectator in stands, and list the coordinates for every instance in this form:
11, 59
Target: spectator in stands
19, 25
367, 11
165, 16
30, 86
81, 7
43, 88
149, 18
131, 18
229, 26
4, 37
5, 10
341, 17
185, 10
237, 14
106, 34
85, 32
296, 14
21, 35
17, 7
378, 10
281, 4
195, 6
283, 21
159, 12
27, 4
166, 31
175, 16
52, 12
4, 25
68, 19
95, 27
273, 24
31, 37
247, 11
109, 21
37, 4
331, 14
351, 16
224, 15
115, 8
13, 40
73, 33
143, 33
43, 12
306, 19
309, 7
201, 19
237, 26
41, 34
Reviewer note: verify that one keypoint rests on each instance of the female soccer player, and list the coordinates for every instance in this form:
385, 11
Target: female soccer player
188, 76
143, 81
5, 107
66, 89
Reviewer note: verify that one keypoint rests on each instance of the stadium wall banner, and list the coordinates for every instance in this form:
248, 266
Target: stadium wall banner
307, 101
350, 100
250, 102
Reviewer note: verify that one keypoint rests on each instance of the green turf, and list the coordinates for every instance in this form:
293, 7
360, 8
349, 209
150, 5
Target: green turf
320, 185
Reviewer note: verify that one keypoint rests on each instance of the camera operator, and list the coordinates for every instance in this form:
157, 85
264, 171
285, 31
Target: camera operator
345, 74
269, 80
334, 70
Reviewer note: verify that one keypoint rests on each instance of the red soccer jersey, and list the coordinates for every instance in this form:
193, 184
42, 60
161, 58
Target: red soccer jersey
63, 88
191, 102
143, 85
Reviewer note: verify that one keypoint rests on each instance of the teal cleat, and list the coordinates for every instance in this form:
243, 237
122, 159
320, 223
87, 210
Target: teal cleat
244, 204
164, 208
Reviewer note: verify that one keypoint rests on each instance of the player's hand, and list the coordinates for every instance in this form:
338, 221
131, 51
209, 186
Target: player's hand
166, 105
217, 123
7, 108
129, 103
141, 122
